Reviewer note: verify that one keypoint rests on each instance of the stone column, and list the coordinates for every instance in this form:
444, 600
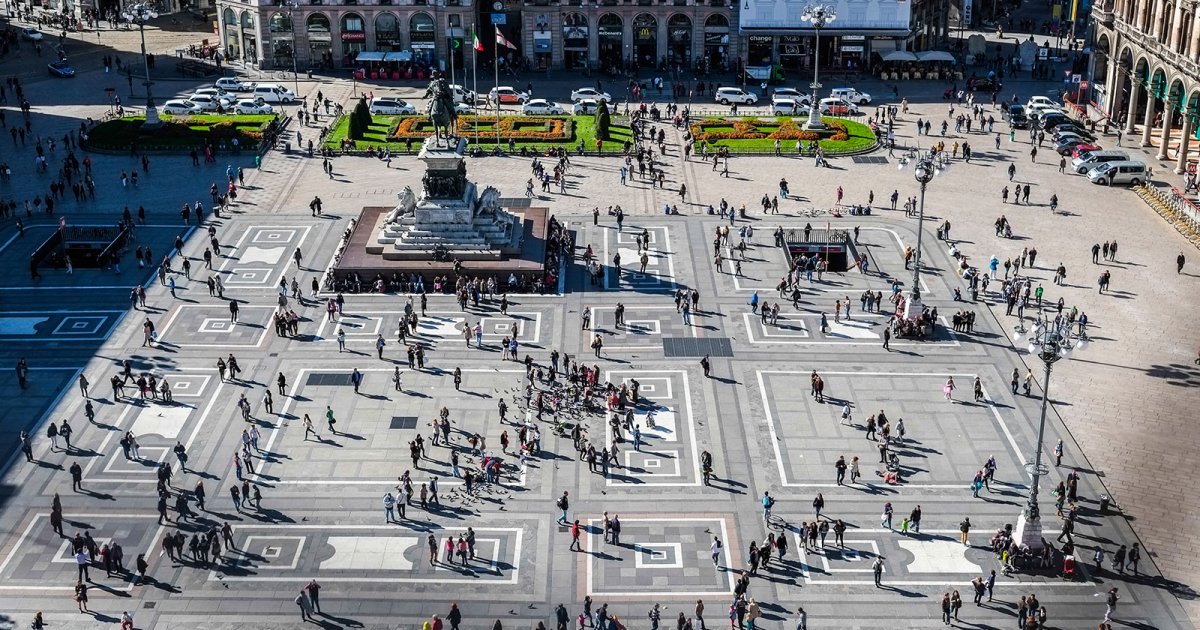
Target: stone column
1160, 13
1148, 120
1194, 45
1117, 78
1168, 118
1143, 10
1176, 26
1184, 144
1134, 92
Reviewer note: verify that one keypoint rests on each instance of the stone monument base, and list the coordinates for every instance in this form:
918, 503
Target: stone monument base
368, 258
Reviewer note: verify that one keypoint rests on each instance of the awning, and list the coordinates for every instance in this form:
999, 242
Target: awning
370, 56
935, 55
900, 55
403, 55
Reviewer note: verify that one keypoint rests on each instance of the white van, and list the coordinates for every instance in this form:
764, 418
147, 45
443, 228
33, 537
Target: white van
1121, 172
272, 93
1091, 159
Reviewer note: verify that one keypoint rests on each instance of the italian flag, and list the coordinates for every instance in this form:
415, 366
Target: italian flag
501, 41
475, 43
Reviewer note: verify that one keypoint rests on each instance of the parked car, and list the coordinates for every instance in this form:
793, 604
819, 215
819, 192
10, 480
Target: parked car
464, 108
1089, 160
1017, 118
1073, 146
851, 95
181, 107
209, 103
250, 106
585, 107
1042, 101
1085, 148
61, 69
788, 107
272, 93
837, 107
32, 34
1074, 128
462, 94
727, 95
213, 91
540, 107
987, 84
234, 84
590, 93
792, 94
1119, 172
390, 106
505, 94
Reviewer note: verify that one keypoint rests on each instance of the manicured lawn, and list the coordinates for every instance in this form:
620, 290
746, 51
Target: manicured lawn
179, 132
583, 127
860, 136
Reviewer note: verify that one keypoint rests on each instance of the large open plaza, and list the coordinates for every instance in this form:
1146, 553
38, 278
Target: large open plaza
676, 392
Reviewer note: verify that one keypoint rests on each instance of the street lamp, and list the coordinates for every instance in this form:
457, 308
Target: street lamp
817, 15
1050, 340
928, 164
141, 13
292, 6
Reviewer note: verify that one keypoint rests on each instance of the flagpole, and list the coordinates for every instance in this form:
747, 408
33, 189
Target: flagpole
496, 63
475, 77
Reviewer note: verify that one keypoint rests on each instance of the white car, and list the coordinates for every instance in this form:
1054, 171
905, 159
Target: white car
585, 107
210, 103
788, 107
590, 93
540, 106
388, 106
504, 94
795, 95
727, 95
213, 91
32, 34
462, 94
181, 107
851, 95
234, 84
272, 93
249, 106
1040, 101
838, 107
463, 108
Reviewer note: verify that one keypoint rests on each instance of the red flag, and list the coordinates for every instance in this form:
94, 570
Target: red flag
501, 41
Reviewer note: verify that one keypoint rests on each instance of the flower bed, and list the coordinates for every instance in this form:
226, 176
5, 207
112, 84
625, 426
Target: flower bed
518, 128
179, 133
755, 129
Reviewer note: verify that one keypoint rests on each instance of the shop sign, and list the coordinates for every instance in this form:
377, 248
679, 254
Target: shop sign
852, 49
760, 40
354, 36
613, 32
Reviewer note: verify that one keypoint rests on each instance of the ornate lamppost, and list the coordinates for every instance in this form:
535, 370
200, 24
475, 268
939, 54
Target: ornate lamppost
1050, 341
927, 165
140, 14
818, 15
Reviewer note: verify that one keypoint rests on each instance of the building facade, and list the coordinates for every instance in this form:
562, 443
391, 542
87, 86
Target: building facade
1146, 70
573, 35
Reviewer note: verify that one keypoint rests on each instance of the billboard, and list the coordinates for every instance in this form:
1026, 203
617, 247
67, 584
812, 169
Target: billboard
851, 15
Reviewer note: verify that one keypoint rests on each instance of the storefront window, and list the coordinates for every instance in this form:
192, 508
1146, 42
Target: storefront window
421, 37
759, 50
575, 41
320, 40
679, 36
387, 33
610, 31
645, 40
354, 37
249, 38
716, 43
793, 54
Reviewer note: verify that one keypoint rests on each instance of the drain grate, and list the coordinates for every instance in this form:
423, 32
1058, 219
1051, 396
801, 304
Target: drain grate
869, 159
328, 378
403, 422
691, 347
515, 202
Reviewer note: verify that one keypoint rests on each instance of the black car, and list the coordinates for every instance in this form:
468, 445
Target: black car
986, 84
1017, 118
1072, 127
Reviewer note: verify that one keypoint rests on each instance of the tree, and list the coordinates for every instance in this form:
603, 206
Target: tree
360, 120
602, 120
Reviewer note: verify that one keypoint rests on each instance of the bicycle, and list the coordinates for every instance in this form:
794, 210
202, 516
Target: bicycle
282, 75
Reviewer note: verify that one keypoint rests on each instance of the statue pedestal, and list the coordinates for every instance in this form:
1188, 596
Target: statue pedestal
449, 215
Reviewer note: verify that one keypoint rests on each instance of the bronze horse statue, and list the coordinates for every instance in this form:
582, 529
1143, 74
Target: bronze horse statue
441, 109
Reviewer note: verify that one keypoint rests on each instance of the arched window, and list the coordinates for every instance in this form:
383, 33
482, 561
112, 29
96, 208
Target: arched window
317, 23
